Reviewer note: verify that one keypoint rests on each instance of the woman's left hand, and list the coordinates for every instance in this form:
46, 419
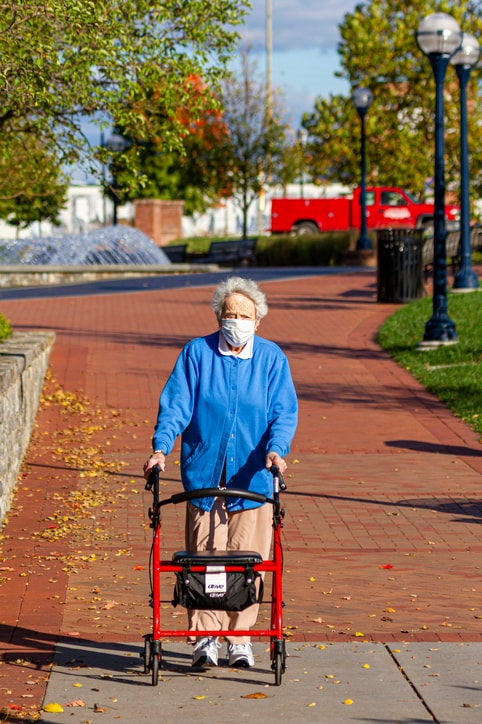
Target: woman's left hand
273, 458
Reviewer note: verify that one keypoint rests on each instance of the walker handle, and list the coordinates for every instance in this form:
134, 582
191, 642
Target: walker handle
153, 477
277, 477
215, 493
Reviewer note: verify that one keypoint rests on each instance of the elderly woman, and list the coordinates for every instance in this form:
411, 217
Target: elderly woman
231, 397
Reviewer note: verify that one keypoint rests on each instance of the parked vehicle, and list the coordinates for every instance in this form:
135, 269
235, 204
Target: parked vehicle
386, 207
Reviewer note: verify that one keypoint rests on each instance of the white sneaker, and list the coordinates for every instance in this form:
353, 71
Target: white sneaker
240, 655
206, 652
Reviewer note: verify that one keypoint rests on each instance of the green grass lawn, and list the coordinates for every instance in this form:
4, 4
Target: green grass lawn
452, 373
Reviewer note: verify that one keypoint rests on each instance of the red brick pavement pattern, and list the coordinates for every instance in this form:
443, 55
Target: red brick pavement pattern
383, 506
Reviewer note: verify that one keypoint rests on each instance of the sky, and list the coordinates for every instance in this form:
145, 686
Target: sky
305, 37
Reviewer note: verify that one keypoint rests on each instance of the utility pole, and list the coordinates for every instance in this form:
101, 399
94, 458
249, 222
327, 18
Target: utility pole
269, 53
265, 173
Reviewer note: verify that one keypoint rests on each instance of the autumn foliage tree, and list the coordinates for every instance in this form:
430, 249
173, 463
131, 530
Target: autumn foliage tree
232, 152
196, 173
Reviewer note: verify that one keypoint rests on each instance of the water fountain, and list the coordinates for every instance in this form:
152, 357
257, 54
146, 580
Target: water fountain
108, 245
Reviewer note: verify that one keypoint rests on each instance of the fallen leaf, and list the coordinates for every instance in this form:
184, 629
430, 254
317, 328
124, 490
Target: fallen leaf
348, 701
53, 708
255, 695
76, 702
387, 566
200, 697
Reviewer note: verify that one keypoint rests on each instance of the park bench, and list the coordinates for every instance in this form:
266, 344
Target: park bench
452, 247
234, 253
476, 238
177, 253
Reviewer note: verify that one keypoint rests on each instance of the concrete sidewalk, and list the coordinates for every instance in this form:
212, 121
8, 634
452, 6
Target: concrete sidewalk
333, 683
381, 538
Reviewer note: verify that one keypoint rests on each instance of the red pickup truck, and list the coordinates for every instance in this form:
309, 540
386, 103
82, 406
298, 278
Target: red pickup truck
386, 207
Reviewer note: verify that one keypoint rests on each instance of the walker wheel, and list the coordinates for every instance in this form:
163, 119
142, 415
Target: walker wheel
278, 669
155, 669
278, 661
146, 655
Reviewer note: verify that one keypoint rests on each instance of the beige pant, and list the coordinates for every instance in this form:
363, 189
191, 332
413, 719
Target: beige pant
249, 530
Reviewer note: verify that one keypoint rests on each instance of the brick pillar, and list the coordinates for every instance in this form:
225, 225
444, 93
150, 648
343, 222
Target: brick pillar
160, 220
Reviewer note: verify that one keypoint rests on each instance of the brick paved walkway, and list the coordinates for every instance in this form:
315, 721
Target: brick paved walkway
383, 508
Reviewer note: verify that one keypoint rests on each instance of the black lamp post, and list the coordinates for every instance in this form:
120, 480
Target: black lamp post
116, 143
362, 99
464, 60
439, 37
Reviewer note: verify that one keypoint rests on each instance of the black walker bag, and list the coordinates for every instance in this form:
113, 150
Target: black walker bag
215, 588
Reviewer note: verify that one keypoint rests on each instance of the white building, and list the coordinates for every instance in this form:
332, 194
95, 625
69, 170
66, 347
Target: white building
87, 208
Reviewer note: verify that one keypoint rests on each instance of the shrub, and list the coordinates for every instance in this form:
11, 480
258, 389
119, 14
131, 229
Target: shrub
5, 328
306, 250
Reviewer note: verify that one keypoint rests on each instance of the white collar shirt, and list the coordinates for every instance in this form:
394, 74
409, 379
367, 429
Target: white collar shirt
246, 352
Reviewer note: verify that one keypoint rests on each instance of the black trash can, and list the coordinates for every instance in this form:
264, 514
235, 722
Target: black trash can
399, 265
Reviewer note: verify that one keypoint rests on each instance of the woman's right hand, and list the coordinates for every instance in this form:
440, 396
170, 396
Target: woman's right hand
156, 459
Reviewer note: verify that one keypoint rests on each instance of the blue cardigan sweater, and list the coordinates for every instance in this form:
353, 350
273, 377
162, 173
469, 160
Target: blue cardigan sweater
230, 411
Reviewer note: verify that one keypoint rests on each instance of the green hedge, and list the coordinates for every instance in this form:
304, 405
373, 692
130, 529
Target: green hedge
288, 250
317, 250
5, 328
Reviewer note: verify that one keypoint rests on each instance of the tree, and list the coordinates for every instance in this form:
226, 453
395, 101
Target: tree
227, 153
378, 50
63, 61
197, 174
32, 184
256, 135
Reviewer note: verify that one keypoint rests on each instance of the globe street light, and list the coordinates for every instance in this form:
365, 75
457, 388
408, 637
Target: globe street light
362, 99
439, 37
464, 60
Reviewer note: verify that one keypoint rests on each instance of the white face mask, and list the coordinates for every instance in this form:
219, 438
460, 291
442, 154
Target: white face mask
237, 332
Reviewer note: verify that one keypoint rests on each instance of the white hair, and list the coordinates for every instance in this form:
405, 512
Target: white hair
238, 285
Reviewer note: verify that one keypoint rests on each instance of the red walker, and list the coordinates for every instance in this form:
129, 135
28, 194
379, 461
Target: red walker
186, 565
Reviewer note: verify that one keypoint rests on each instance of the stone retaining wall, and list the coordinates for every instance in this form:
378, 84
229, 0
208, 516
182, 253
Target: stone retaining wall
20, 275
24, 360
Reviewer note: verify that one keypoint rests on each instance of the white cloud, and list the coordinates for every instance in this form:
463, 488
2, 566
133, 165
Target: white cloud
297, 24
305, 39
